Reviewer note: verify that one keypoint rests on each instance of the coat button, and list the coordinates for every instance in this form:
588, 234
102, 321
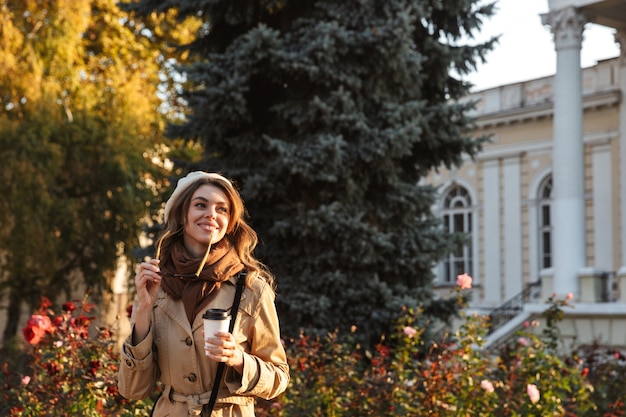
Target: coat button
192, 377
129, 362
188, 341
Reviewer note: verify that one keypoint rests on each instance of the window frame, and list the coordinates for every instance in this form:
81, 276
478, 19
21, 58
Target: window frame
457, 215
544, 223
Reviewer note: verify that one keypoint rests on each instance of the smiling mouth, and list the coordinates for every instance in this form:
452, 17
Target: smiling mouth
208, 227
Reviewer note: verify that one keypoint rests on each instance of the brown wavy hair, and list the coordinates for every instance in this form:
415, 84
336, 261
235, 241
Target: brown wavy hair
240, 234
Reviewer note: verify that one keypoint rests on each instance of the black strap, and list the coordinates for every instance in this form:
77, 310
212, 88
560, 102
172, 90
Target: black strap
155, 402
241, 282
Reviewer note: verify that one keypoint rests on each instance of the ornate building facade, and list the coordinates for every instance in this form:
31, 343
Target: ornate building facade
544, 203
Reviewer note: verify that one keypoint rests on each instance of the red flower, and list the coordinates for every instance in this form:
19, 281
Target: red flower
94, 366
69, 307
45, 303
81, 325
36, 328
302, 341
53, 368
16, 411
112, 390
58, 321
383, 350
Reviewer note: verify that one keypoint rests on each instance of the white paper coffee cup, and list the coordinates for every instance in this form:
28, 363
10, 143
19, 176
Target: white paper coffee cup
215, 320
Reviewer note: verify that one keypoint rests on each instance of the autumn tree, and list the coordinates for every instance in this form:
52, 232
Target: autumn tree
328, 113
81, 146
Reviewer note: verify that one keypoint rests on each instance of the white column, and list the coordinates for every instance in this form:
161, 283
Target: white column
512, 220
620, 37
491, 233
567, 158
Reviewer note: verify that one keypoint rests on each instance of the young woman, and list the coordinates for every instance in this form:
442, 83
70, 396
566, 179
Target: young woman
205, 246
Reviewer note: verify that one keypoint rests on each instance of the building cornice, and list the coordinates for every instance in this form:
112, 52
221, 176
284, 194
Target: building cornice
591, 102
496, 152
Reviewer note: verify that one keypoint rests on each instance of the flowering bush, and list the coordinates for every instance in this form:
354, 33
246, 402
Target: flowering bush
605, 369
69, 371
65, 371
453, 376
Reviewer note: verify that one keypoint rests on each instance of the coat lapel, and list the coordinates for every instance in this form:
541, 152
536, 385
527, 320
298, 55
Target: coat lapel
175, 310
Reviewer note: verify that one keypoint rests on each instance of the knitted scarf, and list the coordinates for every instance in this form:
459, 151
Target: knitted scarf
222, 263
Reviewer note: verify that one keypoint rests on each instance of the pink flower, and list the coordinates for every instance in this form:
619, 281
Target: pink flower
36, 328
487, 385
569, 296
25, 380
533, 393
409, 331
522, 341
464, 281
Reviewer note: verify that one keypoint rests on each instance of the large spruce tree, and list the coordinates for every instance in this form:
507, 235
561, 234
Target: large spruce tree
328, 113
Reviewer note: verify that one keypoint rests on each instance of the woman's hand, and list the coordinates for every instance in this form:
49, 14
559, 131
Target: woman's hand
147, 283
222, 347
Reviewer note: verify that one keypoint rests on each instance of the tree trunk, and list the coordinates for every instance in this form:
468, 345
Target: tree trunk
13, 318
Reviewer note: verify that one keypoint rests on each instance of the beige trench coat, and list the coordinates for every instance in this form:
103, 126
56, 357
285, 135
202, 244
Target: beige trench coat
173, 353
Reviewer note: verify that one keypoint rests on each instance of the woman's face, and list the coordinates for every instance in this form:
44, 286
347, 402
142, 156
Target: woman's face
207, 219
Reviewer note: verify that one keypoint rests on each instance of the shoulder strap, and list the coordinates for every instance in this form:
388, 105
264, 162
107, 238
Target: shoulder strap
241, 282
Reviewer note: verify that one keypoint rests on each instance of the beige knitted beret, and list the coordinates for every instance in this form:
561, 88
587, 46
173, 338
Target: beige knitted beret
188, 181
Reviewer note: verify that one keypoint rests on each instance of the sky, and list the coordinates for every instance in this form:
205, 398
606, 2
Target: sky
526, 50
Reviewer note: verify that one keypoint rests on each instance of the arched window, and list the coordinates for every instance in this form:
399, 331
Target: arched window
457, 218
544, 200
